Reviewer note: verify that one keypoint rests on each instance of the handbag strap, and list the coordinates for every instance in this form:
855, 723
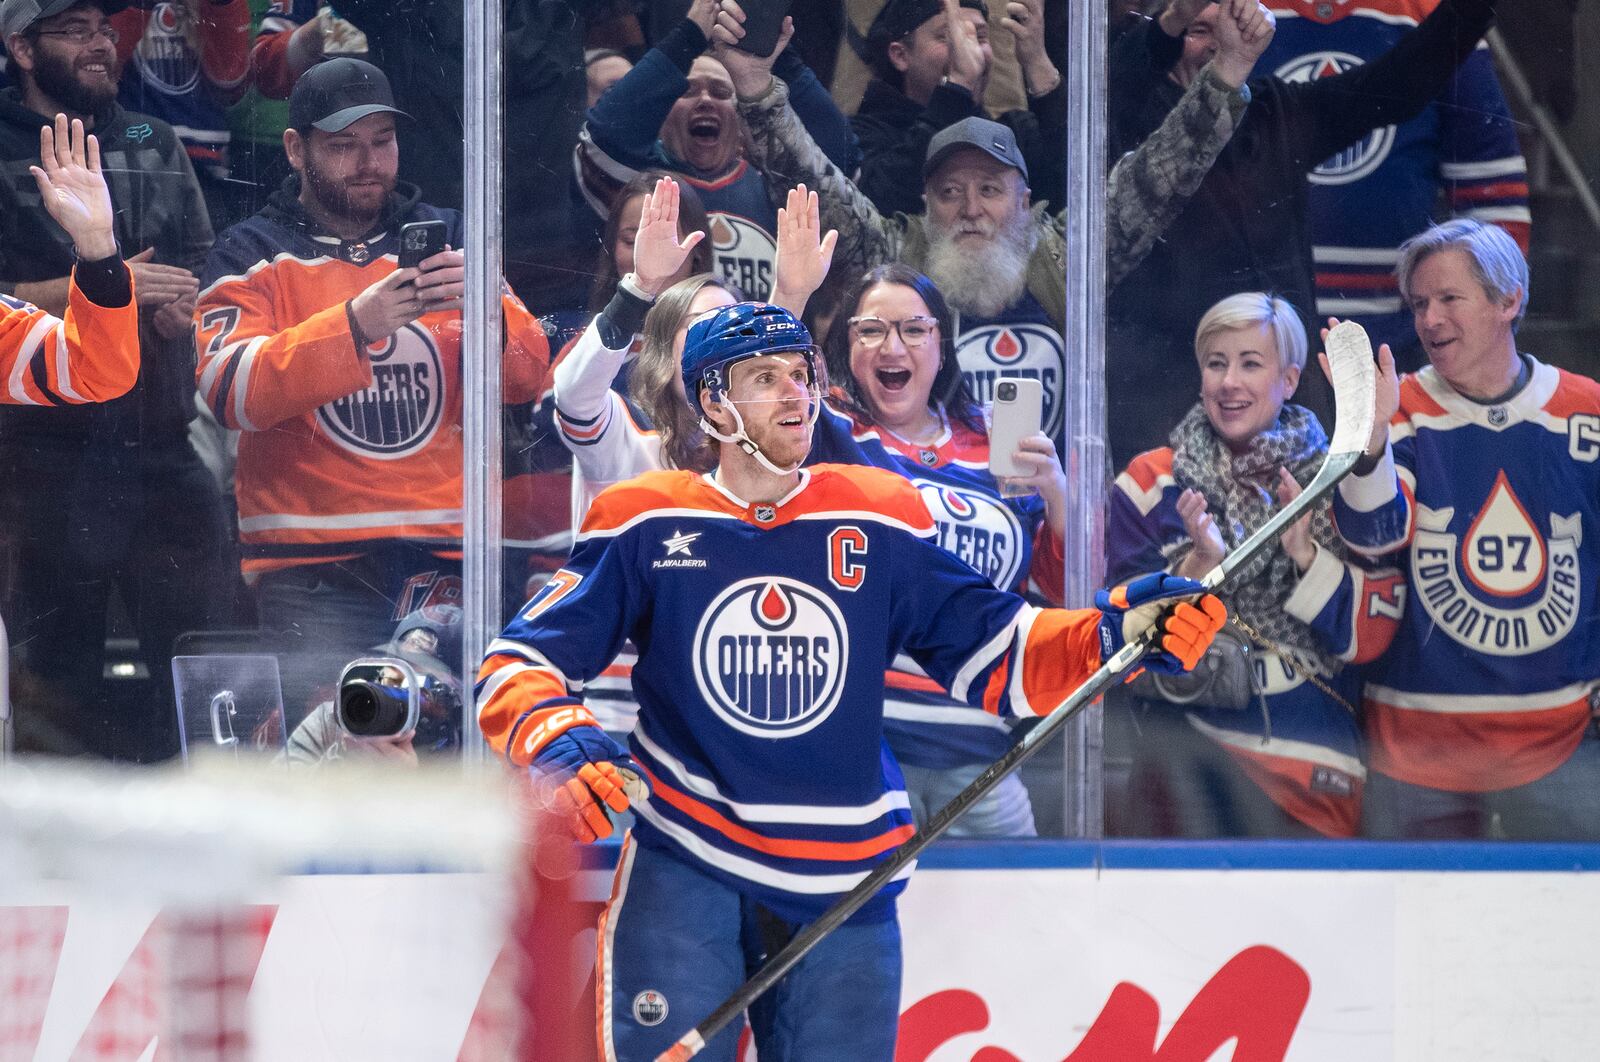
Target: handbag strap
1264, 642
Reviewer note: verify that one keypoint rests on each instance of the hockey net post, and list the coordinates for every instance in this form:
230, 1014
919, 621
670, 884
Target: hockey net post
207, 859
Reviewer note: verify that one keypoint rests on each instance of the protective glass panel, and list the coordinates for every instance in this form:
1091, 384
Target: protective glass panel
228, 705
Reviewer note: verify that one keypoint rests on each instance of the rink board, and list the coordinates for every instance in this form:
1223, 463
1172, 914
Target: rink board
1031, 951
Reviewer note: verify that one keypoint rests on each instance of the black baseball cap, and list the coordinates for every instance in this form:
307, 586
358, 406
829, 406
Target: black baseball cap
900, 17
17, 15
333, 94
991, 138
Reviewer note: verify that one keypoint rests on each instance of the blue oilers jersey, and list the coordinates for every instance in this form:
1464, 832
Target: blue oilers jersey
1374, 194
1494, 512
1021, 341
763, 632
1298, 743
1000, 538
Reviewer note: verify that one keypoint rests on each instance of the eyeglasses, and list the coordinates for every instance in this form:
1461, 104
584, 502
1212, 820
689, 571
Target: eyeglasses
872, 331
82, 34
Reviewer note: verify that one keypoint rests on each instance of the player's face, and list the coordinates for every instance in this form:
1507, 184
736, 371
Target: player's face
923, 56
774, 395
973, 196
896, 378
1243, 383
603, 73
702, 128
78, 75
1199, 44
352, 172
708, 298
1467, 335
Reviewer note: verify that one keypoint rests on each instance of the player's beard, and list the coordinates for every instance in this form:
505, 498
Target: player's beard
983, 280
58, 80
336, 199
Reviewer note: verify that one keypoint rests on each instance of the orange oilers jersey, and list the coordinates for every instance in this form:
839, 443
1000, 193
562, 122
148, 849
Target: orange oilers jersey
342, 448
90, 355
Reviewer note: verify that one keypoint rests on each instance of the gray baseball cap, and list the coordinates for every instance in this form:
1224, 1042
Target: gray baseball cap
17, 15
991, 138
333, 94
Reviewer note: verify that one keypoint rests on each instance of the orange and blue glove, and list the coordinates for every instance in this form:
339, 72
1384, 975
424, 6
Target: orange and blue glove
1183, 630
588, 776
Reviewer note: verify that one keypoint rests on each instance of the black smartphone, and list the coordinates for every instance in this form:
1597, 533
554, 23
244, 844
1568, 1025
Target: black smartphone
419, 241
763, 23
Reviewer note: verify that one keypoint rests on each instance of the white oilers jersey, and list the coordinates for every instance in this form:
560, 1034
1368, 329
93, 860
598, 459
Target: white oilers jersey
1495, 512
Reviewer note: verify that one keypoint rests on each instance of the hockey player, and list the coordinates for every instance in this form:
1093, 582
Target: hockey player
93, 353
1487, 486
343, 372
767, 601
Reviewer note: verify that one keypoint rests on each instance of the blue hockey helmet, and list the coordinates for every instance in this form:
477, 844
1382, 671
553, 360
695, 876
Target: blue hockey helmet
732, 334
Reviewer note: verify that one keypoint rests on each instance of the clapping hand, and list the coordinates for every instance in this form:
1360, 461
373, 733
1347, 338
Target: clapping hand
1207, 548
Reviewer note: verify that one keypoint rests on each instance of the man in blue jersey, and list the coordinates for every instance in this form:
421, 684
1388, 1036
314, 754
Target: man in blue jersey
766, 601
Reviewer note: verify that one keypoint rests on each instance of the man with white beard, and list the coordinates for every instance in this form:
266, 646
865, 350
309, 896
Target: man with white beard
1000, 260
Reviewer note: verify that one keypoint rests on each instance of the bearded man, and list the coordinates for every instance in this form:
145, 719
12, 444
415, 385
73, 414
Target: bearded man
88, 494
999, 260
342, 371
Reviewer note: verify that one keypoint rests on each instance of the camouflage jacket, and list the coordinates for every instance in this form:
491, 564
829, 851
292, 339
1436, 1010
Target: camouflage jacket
1146, 190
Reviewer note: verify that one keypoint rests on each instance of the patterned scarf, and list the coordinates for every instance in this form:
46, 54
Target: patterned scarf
1241, 493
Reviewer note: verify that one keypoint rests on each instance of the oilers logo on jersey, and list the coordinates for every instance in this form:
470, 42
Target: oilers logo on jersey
770, 656
397, 414
1504, 589
990, 353
1360, 158
744, 253
978, 528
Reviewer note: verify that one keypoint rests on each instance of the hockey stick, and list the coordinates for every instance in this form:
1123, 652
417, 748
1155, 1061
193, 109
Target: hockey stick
1352, 368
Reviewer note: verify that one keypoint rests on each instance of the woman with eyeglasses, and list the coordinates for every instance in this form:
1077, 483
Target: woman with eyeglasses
891, 358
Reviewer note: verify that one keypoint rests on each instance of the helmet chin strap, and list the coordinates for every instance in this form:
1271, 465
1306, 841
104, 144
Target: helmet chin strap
741, 437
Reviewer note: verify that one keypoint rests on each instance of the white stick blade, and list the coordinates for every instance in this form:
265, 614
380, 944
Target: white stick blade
1354, 376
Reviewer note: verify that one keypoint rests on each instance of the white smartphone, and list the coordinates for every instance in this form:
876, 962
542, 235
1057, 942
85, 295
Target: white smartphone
1018, 412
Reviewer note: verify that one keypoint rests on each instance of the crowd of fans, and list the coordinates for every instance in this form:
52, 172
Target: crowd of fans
1414, 658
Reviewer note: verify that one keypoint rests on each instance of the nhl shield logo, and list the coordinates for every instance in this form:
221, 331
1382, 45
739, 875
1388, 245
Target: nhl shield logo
770, 656
358, 253
649, 1007
766, 513
928, 457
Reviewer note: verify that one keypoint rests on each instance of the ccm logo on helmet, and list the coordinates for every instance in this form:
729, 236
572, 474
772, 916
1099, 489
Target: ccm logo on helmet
770, 656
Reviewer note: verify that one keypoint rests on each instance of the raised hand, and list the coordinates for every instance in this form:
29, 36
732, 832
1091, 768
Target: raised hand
751, 74
703, 13
803, 255
658, 253
73, 190
1208, 548
1025, 20
1244, 29
967, 64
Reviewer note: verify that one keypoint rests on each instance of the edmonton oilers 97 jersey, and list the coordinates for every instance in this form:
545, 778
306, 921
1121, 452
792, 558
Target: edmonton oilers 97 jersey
1497, 510
341, 448
1379, 191
763, 634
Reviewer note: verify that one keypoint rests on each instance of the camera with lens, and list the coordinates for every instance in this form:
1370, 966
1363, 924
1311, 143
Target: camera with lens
379, 699
1006, 391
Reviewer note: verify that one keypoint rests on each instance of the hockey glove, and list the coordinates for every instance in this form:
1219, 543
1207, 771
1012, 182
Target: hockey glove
587, 773
1184, 630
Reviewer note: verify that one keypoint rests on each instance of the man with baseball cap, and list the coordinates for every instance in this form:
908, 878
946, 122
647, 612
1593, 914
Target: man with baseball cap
343, 373
998, 257
930, 61
88, 495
